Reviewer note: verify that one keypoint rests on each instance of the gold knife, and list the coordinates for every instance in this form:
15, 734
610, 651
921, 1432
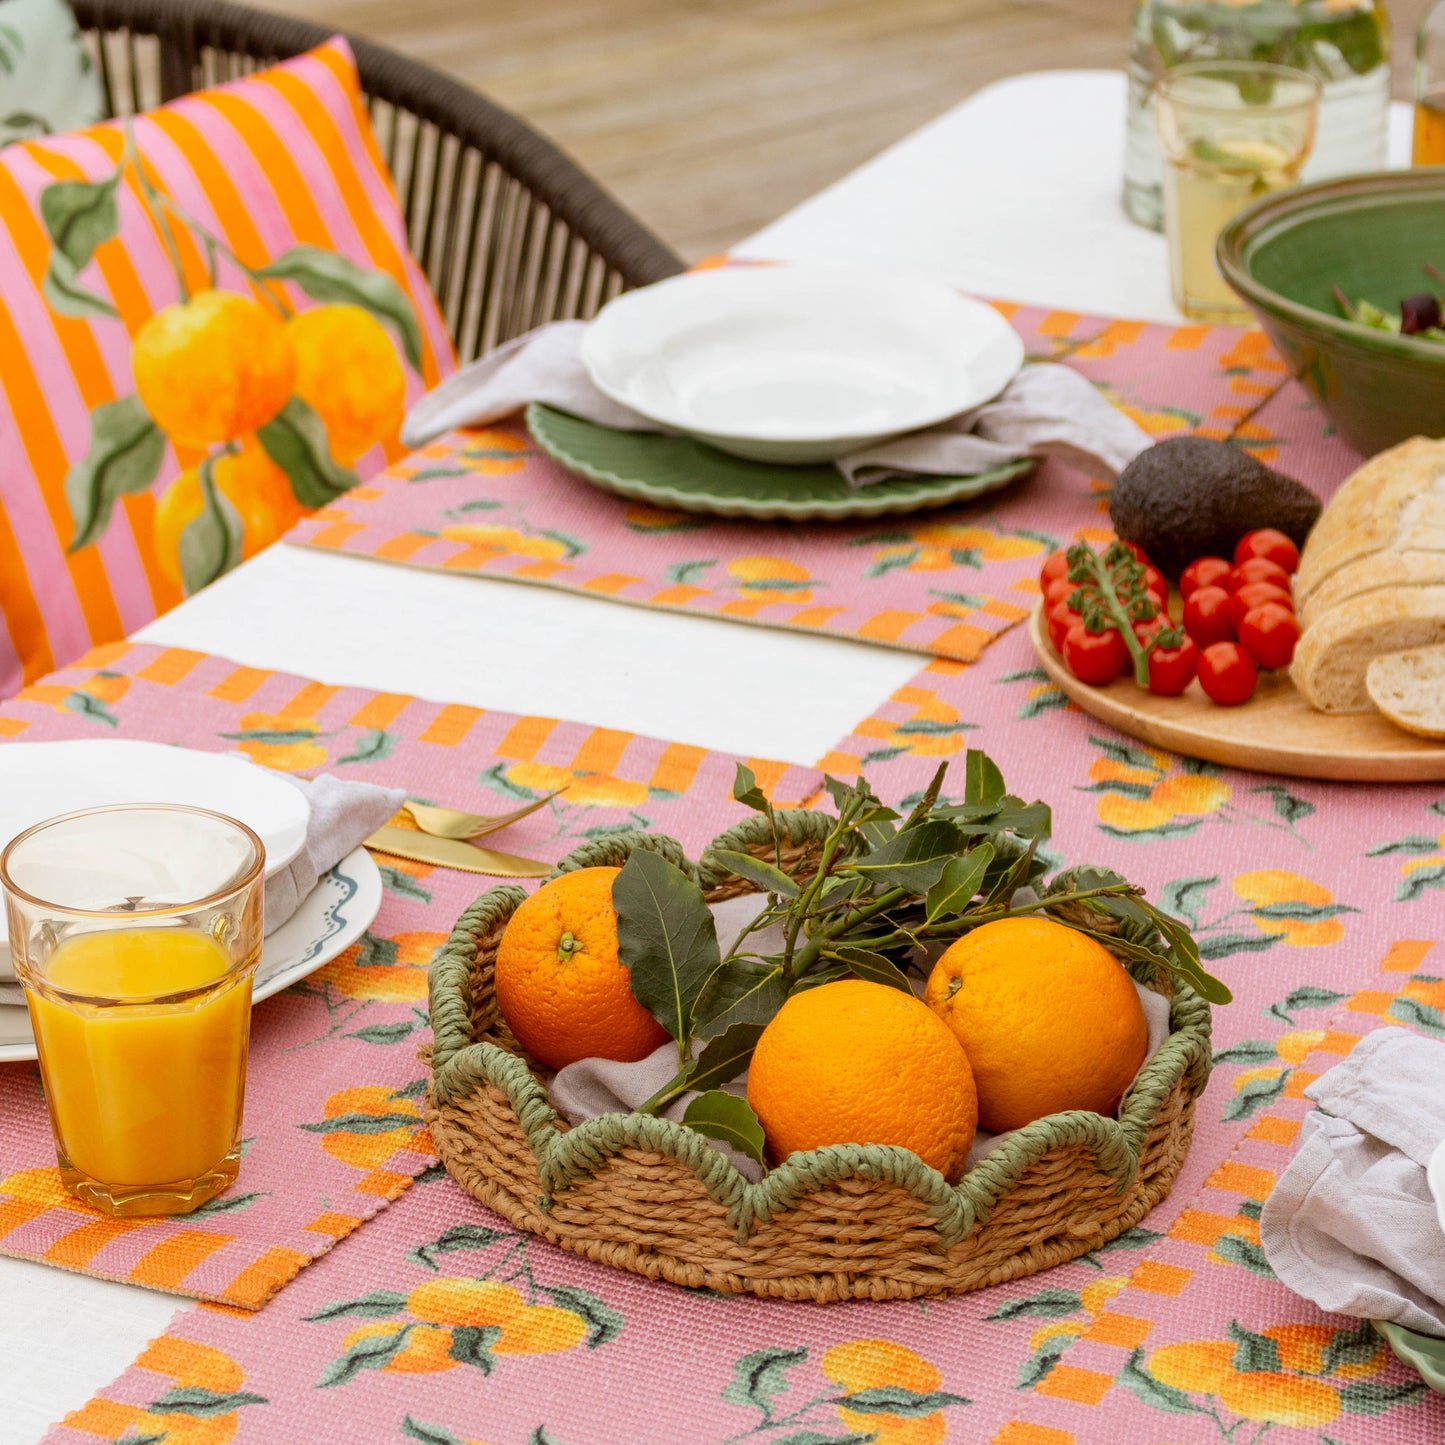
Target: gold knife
452, 853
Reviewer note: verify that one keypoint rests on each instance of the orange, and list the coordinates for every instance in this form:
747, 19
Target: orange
213, 367
456, 1301
427, 1348
349, 373
861, 1063
559, 984
1048, 1017
1280, 1399
1194, 1365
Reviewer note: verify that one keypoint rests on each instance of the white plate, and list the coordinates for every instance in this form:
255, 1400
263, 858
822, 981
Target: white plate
331, 917
41, 780
1435, 1177
798, 363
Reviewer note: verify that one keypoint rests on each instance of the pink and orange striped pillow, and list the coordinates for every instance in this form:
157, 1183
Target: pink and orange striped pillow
209, 323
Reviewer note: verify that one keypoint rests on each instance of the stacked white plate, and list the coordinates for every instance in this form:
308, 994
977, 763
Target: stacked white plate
41, 780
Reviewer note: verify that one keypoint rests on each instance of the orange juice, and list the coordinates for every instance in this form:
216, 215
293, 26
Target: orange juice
1429, 140
144, 1081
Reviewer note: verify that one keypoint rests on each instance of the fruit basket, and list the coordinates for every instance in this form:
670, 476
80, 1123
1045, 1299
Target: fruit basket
841, 1222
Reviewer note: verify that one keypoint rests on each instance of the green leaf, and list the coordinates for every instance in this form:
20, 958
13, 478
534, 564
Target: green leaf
897, 1400
201, 1403
1252, 1351
210, 545
959, 883
91, 708
760, 1377
66, 296
371, 747
378, 1305
362, 1124
1039, 1365
1247, 1051
873, 967
725, 1057
1412, 843
415, 1429
1226, 945
982, 782
542, 1436
1236, 1249
1302, 998
295, 439
472, 1345
926, 800
125, 455
740, 991
1351, 1347
330, 276
369, 1353
1420, 881
604, 1323
399, 881
1418, 1015
1286, 804
768, 877
1049, 1304
385, 1033
1155, 1393
1374, 1397
666, 938
1184, 898
913, 860
816, 1437
747, 792
80, 215
459, 1236
724, 1116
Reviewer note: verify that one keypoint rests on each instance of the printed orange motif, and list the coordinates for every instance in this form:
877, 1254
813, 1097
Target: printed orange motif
862, 1365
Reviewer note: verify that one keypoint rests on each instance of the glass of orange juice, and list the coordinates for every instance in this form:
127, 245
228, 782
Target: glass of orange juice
135, 932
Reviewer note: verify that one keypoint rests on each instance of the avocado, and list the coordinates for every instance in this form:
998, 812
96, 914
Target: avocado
1192, 497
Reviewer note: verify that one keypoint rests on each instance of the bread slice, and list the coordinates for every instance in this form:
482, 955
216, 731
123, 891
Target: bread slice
1362, 493
1378, 571
1409, 688
1332, 657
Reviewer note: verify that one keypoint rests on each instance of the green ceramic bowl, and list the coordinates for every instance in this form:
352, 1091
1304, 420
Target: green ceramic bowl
1370, 236
1424, 1352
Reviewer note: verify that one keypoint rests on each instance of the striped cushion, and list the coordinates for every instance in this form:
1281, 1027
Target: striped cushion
148, 442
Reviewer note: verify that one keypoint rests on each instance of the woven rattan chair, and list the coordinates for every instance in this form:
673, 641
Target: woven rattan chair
510, 232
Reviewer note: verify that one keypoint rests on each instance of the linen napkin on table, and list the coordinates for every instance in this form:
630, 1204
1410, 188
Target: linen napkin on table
1351, 1223
602, 1086
343, 815
1047, 410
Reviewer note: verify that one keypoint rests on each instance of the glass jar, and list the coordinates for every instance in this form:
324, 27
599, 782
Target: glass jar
1429, 143
1345, 45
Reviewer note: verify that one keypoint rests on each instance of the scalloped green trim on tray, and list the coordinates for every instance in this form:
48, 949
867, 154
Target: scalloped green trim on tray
460, 1066
690, 476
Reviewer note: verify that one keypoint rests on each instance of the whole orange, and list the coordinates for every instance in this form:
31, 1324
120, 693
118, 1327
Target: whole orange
861, 1063
1048, 1017
559, 984
349, 373
213, 367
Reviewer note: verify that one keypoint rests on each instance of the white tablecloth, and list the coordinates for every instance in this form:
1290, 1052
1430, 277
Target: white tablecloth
1014, 193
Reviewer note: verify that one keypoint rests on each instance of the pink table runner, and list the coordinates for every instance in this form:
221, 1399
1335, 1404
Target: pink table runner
332, 1111
946, 582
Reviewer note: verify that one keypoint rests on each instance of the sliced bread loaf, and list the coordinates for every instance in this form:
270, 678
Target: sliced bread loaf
1335, 651
1409, 688
1375, 573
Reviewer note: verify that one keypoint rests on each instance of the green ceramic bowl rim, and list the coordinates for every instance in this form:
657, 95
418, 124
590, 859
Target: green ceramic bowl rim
1286, 206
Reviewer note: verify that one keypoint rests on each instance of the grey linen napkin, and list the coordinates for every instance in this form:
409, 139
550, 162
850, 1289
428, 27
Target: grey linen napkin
343, 815
1352, 1224
602, 1086
1047, 410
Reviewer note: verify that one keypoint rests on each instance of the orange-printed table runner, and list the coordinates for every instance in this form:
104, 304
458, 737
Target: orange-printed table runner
332, 1106
945, 583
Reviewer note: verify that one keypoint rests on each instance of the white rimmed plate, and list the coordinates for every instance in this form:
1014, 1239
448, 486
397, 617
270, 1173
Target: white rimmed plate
798, 363
331, 917
42, 780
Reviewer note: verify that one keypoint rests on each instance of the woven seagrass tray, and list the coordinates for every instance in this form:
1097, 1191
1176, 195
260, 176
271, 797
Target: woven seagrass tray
848, 1221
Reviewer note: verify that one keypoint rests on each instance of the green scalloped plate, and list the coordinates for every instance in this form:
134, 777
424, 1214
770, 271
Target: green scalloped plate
1424, 1353
689, 476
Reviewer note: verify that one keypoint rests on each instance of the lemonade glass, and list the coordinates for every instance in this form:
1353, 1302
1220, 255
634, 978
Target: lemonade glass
1231, 131
135, 932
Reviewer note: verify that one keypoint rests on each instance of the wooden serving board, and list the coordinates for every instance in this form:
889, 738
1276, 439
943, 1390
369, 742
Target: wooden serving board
1276, 731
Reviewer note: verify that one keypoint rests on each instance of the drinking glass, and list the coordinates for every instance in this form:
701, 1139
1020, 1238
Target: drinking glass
1231, 131
135, 932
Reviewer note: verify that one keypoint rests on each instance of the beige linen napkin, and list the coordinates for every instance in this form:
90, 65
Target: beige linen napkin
1047, 410
343, 815
602, 1086
1351, 1224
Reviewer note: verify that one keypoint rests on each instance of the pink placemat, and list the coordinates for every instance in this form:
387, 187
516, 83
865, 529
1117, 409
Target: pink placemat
332, 1105
946, 582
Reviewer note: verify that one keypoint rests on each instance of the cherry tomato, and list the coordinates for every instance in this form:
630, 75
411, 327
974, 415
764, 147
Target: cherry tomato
1227, 674
1059, 591
1095, 657
1137, 550
1206, 616
1202, 572
1172, 669
1256, 569
1269, 633
1155, 581
1267, 542
1146, 628
1059, 620
1256, 594
1056, 565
